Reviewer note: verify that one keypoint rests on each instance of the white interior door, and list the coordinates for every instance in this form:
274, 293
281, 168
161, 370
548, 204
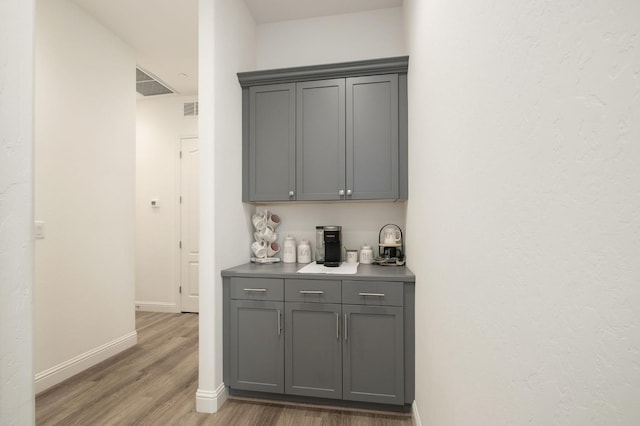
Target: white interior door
189, 224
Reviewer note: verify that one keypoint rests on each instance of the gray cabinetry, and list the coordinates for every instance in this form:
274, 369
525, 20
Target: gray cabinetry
373, 342
332, 132
345, 337
313, 346
271, 169
256, 336
257, 346
320, 139
372, 137
313, 350
373, 364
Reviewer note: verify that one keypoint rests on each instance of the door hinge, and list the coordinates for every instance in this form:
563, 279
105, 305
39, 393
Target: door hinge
180, 154
180, 289
181, 199
179, 244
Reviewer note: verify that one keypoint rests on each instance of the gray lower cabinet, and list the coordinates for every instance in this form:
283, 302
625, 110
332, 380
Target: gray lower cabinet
373, 355
256, 345
313, 351
349, 339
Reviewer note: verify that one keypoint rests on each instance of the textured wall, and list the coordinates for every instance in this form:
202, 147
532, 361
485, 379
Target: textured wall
16, 212
525, 203
84, 186
326, 39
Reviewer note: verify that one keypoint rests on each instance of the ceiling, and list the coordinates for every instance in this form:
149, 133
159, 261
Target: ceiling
164, 33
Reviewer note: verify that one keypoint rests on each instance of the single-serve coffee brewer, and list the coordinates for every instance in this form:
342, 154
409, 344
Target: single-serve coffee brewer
332, 245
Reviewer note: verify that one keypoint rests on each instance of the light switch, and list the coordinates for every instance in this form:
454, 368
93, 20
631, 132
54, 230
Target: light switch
38, 229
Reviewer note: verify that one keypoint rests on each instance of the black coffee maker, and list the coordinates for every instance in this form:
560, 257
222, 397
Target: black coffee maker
332, 246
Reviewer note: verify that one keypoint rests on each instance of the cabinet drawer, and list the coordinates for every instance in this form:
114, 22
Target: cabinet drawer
372, 293
313, 291
257, 288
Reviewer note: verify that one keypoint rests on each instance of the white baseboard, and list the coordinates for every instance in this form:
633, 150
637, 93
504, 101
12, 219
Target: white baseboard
146, 306
58, 373
415, 414
211, 401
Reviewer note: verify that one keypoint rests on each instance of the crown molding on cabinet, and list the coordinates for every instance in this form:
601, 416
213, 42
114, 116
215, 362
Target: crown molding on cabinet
397, 64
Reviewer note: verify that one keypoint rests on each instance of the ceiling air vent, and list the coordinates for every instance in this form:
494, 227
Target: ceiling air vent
191, 109
148, 85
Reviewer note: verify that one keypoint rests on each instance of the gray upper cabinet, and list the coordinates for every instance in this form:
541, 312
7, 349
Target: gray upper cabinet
326, 132
271, 170
372, 137
320, 139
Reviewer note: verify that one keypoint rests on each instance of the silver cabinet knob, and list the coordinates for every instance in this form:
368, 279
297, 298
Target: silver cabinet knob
291, 193
341, 192
348, 192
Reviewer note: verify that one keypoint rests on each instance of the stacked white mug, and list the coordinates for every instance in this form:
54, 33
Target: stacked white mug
265, 235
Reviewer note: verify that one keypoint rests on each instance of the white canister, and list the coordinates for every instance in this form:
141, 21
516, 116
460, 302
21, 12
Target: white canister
366, 254
289, 250
304, 251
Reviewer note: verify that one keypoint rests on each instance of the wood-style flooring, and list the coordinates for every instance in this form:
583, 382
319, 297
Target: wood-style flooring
154, 383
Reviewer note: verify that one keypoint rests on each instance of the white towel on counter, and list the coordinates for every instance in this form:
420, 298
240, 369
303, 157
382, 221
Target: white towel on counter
343, 269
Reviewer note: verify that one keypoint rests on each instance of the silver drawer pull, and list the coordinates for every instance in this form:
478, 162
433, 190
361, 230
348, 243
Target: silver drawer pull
372, 294
311, 292
261, 290
338, 326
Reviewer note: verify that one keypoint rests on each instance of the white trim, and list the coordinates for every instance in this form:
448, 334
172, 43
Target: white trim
157, 307
211, 401
77, 364
415, 414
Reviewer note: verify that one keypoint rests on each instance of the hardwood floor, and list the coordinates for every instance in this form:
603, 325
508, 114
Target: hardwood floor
154, 383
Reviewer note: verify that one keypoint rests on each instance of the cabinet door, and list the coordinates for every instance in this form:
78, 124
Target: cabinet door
372, 137
313, 350
373, 354
320, 139
272, 142
257, 346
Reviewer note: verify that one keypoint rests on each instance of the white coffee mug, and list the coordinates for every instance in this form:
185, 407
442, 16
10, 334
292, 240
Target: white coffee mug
352, 256
273, 249
273, 220
259, 221
268, 234
259, 249
391, 236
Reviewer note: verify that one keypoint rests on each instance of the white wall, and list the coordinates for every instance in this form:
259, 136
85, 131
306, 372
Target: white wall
523, 145
84, 192
337, 38
226, 46
17, 19
160, 123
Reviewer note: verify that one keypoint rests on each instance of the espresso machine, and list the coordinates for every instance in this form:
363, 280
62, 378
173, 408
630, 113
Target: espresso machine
332, 246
